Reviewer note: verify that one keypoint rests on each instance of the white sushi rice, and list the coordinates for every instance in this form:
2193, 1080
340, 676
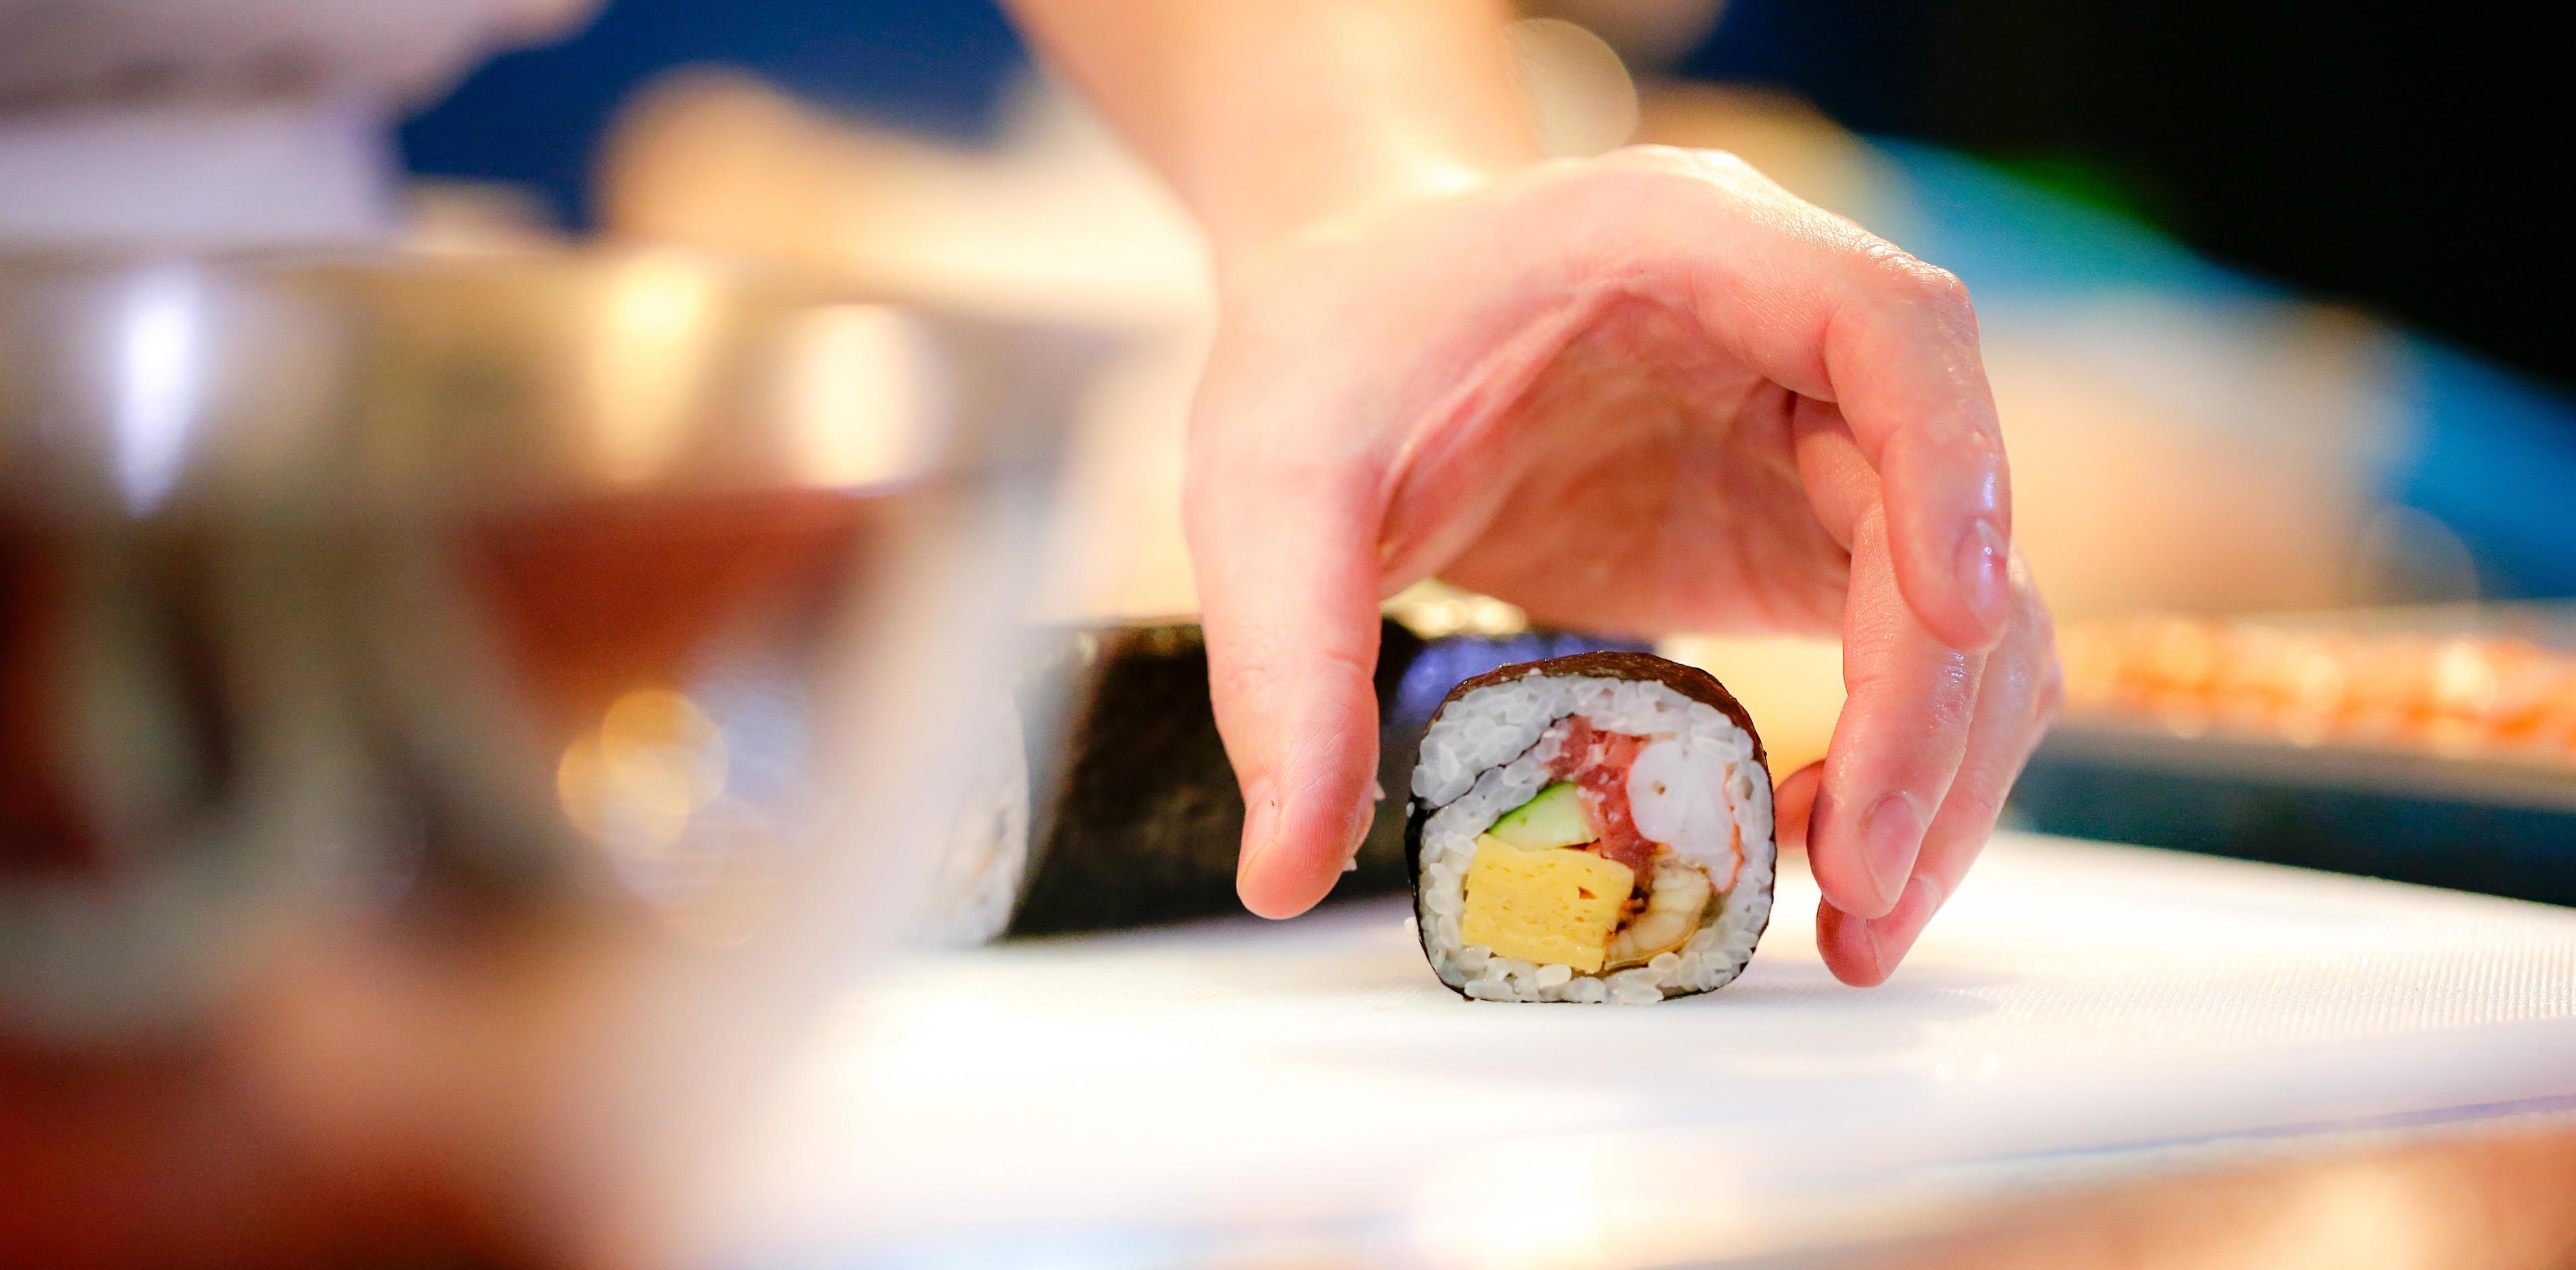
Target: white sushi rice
1489, 752
985, 858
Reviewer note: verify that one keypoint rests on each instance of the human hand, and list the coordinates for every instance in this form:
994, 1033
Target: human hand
1647, 392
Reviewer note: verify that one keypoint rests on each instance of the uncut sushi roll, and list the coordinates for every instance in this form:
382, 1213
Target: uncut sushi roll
1590, 829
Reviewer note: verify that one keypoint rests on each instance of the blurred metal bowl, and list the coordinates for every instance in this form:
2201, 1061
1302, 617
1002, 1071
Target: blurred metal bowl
627, 578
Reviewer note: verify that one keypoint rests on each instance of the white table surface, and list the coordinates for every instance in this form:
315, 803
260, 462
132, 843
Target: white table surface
1306, 1090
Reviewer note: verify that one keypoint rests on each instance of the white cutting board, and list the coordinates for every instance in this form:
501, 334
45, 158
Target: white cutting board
1307, 1089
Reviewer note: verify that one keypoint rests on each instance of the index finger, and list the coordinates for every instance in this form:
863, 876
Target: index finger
1287, 575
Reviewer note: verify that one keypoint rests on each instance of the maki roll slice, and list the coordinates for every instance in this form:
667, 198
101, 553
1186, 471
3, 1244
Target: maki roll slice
1591, 829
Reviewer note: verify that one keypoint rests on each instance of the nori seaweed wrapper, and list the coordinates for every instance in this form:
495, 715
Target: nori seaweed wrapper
1136, 817
1690, 681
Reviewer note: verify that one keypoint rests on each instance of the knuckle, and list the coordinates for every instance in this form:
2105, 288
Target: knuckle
1258, 669
1199, 502
1244, 680
1981, 803
1941, 289
1719, 182
1231, 491
2047, 673
1647, 155
1942, 696
2042, 623
2050, 703
1350, 666
1912, 282
1680, 161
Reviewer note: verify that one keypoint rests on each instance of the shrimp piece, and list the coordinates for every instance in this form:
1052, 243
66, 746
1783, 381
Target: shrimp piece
1672, 914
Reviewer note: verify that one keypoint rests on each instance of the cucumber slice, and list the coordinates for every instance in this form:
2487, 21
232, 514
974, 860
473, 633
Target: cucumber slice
1553, 819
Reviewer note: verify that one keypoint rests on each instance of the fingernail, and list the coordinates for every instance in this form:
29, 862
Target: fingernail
1355, 834
1366, 820
1260, 828
1890, 836
1852, 943
1893, 936
1981, 562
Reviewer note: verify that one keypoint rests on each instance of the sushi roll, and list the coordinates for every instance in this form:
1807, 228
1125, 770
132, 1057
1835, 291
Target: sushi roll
1593, 828
1102, 799
1137, 819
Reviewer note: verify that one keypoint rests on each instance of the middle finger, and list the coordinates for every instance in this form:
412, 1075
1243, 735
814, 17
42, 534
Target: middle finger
1897, 746
2017, 697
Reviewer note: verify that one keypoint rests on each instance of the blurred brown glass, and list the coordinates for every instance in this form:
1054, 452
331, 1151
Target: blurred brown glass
457, 715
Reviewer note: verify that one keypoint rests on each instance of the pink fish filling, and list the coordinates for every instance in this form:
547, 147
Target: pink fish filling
1598, 762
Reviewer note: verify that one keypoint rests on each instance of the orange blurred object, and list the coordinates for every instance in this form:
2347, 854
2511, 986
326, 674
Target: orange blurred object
2491, 696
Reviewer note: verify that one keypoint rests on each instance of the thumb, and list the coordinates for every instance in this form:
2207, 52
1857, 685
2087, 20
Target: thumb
1286, 560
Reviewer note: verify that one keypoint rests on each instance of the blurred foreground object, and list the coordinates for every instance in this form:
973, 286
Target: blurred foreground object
2426, 745
215, 124
457, 715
